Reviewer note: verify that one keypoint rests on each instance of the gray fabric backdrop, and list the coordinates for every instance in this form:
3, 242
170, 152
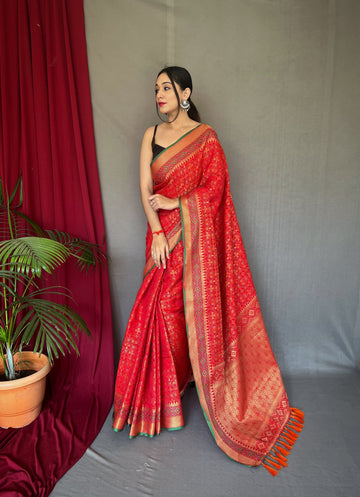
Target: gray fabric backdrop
279, 80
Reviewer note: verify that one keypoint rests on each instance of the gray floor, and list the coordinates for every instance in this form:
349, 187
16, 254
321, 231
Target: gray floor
325, 461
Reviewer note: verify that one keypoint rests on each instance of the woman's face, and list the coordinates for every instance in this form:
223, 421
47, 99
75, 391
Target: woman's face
165, 95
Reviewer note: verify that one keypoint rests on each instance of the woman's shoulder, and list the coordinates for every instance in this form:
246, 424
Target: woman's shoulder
148, 135
150, 131
207, 127
209, 130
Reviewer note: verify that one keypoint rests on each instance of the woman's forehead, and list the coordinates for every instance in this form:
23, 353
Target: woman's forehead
163, 79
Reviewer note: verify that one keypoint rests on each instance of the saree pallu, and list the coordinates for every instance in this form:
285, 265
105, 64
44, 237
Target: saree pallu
201, 316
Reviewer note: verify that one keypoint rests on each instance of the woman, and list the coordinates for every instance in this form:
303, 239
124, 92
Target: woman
196, 312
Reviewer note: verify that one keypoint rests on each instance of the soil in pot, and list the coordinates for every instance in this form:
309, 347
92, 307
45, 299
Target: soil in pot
19, 374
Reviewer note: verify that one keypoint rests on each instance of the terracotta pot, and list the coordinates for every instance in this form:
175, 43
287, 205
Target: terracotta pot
20, 400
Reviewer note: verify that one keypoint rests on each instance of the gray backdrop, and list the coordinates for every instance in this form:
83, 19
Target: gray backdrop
279, 80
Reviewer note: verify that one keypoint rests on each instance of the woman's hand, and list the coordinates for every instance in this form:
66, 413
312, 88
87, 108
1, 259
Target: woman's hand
160, 202
160, 250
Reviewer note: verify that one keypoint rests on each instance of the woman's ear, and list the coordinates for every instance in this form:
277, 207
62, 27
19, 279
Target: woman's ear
187, 93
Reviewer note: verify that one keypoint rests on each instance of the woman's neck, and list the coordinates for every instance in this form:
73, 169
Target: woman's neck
181, 122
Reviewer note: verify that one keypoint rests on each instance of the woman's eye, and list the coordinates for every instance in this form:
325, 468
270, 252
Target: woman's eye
167, 88
156, 91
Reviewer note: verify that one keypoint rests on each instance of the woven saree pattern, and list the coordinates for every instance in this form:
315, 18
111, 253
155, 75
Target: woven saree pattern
238, 380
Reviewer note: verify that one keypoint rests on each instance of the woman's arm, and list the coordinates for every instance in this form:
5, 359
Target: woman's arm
151, 203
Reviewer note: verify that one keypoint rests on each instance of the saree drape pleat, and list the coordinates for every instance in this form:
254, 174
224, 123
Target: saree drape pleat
237, 378
46, 134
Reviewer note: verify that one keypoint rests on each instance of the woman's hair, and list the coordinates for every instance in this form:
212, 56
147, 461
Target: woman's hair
182, 77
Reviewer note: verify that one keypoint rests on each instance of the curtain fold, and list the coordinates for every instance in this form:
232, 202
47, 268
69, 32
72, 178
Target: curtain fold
46, 134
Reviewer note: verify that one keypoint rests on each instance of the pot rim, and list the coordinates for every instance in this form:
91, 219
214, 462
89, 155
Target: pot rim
33, 378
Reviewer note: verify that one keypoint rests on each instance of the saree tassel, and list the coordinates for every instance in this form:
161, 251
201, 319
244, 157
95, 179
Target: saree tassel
275, 464
271, 470
295, 426
283, 451
296, 411
297, 418
280, 459
277, 457
271, 464
289, 440
286, 445
291, 434
294, 415
293, 437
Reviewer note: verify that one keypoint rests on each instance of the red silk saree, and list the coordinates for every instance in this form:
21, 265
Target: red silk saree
201, 316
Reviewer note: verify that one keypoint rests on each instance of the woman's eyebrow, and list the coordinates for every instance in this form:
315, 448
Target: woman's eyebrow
165, 83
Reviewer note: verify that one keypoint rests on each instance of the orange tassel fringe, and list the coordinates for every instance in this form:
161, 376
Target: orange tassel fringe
281, 457
282, 461
276, 458
300, 420
288, 440
271, 470
287, 446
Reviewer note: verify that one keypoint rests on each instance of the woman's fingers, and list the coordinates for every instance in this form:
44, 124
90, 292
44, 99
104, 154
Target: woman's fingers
157, 258
162, 257
159, 255
158, 201
154, 202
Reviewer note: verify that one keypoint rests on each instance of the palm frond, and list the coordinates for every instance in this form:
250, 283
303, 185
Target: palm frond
3, 335
86, 254
9, 277
55, 326
19, 184
30, 223
31, 255
10, 199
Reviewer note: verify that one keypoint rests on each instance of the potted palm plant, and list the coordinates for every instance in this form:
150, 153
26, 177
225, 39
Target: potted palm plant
30, 313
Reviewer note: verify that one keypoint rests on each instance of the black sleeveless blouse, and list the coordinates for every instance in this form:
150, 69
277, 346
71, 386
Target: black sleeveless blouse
156, 149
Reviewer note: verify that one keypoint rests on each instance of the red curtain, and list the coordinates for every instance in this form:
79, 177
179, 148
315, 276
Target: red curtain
46, 134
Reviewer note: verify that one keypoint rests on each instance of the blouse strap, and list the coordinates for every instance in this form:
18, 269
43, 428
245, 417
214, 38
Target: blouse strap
153, 139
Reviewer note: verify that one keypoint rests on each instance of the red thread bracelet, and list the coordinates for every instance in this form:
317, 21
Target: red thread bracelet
158, 232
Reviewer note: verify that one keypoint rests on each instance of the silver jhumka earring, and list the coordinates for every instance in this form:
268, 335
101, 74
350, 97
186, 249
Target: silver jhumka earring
185, 105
